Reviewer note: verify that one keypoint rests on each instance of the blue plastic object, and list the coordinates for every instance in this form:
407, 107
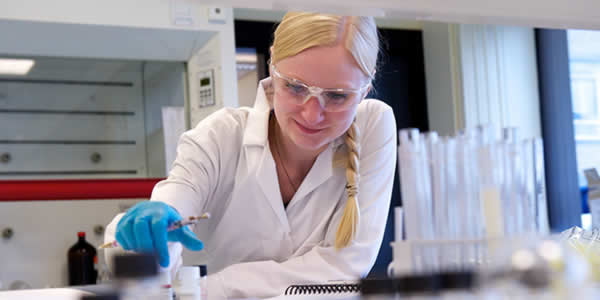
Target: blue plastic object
585, 208
144, 229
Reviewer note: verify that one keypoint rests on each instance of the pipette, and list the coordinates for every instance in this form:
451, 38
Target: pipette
174, 226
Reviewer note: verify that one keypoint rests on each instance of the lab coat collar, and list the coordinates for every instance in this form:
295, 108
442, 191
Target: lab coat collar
320, 172
257, 128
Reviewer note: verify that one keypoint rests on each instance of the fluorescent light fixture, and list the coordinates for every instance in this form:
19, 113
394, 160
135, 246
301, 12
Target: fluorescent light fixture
14, 66
245, 58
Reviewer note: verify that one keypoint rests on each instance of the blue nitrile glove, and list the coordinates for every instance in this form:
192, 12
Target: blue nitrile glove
144, 228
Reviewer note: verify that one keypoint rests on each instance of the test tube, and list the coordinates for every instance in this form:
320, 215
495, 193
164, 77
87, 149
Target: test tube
427, 141
424, 205
519, 189
433, 196
439, 192
508, 192
467, 197
529, 186
408, 162
490, 185
452, 259
543, 225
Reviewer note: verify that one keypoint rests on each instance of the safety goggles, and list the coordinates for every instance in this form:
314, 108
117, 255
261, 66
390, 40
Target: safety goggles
331, 100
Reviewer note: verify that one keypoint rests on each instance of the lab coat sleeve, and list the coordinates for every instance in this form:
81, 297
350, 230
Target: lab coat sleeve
195, 173
203, 155
324, 262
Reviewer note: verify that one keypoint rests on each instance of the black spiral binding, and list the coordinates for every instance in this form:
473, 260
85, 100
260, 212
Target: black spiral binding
307, 289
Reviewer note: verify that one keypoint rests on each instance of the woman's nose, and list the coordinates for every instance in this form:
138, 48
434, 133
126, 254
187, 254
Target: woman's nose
312, 112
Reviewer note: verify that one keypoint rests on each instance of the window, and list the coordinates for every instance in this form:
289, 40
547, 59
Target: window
584, 64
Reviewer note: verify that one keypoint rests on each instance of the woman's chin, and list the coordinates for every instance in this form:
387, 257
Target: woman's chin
311, 144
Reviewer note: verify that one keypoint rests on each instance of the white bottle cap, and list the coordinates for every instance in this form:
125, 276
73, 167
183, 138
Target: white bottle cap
188, 273
164, 277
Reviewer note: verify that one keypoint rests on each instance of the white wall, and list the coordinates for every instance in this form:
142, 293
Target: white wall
247, 86
443, 78
520, 74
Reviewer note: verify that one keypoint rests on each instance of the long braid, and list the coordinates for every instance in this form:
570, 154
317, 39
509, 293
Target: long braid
351, 217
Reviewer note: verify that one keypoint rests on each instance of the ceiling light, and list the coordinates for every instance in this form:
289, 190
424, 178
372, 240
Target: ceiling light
245, 58
12, 66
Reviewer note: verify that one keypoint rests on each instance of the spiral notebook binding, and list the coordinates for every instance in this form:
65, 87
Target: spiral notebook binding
307, 289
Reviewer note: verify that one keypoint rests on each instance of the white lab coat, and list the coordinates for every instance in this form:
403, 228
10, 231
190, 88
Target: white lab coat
254, 247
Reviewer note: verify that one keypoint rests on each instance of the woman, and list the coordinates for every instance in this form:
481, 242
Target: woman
298, 187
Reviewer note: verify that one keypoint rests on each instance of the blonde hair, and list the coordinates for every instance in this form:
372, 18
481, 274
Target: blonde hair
299, 31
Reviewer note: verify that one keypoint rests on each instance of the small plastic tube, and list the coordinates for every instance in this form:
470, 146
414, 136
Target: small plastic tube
203, 282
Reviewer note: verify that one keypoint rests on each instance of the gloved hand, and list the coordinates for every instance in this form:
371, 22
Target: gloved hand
144, 228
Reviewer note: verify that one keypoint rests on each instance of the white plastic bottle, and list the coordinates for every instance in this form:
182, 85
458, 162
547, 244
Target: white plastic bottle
166, 287
187, 285
203, 282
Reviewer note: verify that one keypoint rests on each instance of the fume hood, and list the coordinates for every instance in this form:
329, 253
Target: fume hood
111, 86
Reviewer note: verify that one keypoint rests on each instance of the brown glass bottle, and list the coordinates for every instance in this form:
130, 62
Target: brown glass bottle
82, 258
